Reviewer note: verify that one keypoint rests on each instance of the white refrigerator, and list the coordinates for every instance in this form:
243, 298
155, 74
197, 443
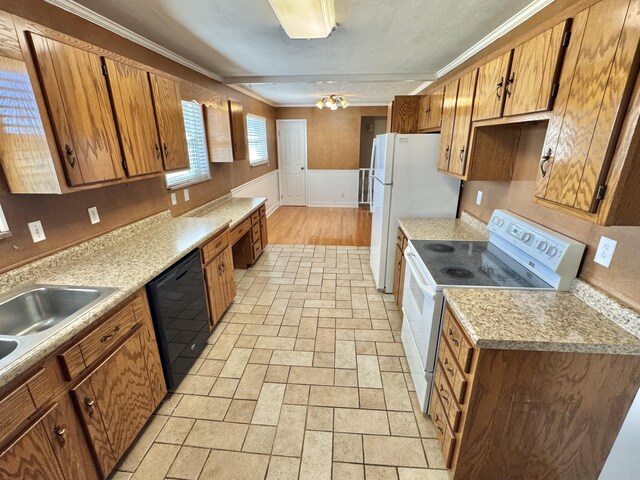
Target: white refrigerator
405, 183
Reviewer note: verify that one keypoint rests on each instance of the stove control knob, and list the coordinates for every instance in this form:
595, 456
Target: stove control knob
526, 236
551, 251
542, 246
498, 221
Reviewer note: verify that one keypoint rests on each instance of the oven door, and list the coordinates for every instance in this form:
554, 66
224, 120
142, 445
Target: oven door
422, 306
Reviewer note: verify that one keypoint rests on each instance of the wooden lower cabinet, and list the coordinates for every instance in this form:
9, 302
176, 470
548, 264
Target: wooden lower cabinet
399, 269
526, 414
221, 285
249, 238
56, 427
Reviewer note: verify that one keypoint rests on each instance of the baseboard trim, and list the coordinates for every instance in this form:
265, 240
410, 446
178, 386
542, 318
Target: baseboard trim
335, 205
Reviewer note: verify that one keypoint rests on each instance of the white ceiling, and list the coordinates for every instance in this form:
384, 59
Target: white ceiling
380, 48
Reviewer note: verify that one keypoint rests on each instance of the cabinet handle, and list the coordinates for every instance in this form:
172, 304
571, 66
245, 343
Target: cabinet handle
443, 395
447, 154
61, 432
157, 150
218, 244
89, 403
447, 367
71, 158
509, 82
499, 87
462, 154
166, 150
453, 338
108, 336
545, 158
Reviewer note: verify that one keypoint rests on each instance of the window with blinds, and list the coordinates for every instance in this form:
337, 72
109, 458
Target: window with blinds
197, 147
257, 137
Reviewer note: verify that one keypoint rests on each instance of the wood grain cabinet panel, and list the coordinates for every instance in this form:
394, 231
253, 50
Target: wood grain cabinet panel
462, 124
221, 286
434, 119
218, 131
405, 113
238, 130
534, 72
448, 121
167, 103
595, 86
490, 91
78, 101
423, 112
135, 118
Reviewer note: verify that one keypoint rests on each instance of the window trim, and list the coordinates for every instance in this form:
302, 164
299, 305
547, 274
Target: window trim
263, 161
4, 226
202, 177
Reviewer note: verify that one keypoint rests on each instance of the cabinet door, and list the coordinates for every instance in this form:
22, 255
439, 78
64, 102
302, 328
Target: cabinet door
396, 273
115, 401
534, 71
448, 117
31, 456
218, 130
167, 103
78, 101
405, 114
462, 127
434, 119
135, 119
490, 92
264, 236
423, 112
595, 85
221, 286
238, 130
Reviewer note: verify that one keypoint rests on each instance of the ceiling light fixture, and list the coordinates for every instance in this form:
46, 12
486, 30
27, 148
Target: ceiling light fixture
305, 19
332, 102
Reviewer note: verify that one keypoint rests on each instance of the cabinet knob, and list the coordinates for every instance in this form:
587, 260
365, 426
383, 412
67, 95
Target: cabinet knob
543, 162
71, 158
89, 403
61, 432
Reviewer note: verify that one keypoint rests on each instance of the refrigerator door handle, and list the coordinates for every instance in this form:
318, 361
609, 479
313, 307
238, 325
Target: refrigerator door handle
371, 171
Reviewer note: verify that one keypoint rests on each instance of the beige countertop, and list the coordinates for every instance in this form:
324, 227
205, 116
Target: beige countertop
464, 228
126, 258
537, 320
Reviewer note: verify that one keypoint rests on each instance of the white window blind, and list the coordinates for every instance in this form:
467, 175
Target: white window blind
257, 136
4, 227
196, 145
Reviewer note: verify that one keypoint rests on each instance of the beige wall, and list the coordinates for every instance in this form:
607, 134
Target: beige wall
333, 136
621, 280
64, 217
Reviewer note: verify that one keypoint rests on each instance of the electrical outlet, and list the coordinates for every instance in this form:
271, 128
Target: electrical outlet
186, 194
342, 195
93, 215
605, 250
174, 199
479, 197
37, 232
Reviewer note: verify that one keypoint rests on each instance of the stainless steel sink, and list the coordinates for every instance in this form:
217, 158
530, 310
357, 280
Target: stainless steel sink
30, 314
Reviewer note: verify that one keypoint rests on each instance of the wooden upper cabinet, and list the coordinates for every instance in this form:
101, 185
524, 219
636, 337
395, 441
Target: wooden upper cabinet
238, 130
462, 125
532, 83
434, 119
490, 91
167, 103
405, 114
133, 108
448, 118
597, 79
78, 101
423, 112
218, 131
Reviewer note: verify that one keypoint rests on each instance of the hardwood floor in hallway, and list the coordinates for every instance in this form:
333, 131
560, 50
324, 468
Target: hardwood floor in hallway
320, 226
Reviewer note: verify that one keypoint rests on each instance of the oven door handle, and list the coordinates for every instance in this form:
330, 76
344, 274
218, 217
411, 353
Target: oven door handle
416, 274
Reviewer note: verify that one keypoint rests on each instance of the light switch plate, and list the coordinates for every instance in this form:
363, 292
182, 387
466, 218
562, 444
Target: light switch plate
605, 250
93, 215
174, 199
37, 232
186, 194
479, 197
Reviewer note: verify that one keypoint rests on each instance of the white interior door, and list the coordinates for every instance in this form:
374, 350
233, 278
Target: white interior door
292, 161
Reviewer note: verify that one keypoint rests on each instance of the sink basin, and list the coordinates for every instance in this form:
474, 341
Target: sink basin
42, 308
7, 347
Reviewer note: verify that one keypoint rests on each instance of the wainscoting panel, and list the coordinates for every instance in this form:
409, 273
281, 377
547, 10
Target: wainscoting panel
264, 186
332, 188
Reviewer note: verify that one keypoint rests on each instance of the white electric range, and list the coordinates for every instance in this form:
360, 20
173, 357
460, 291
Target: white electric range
520, 254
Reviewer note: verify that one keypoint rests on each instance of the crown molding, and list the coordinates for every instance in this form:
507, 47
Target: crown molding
93, 17
520, 17
324, 78
252, 94
421, 87
307, 105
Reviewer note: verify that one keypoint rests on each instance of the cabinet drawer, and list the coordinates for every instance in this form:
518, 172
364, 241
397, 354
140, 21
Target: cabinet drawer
255, 217
214, 247
449, 404
444, 434
15, 408
98, 342
451, 371
239, 231
255, 233
460, 345
257, 249
263, 211
399, 238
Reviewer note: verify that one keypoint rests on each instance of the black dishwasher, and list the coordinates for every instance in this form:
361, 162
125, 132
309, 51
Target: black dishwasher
178, 306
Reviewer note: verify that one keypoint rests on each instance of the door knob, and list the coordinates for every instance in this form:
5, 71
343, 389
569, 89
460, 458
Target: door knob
301, 168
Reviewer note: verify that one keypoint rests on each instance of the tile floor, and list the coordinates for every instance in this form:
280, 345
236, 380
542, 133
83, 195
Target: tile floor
304, 378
